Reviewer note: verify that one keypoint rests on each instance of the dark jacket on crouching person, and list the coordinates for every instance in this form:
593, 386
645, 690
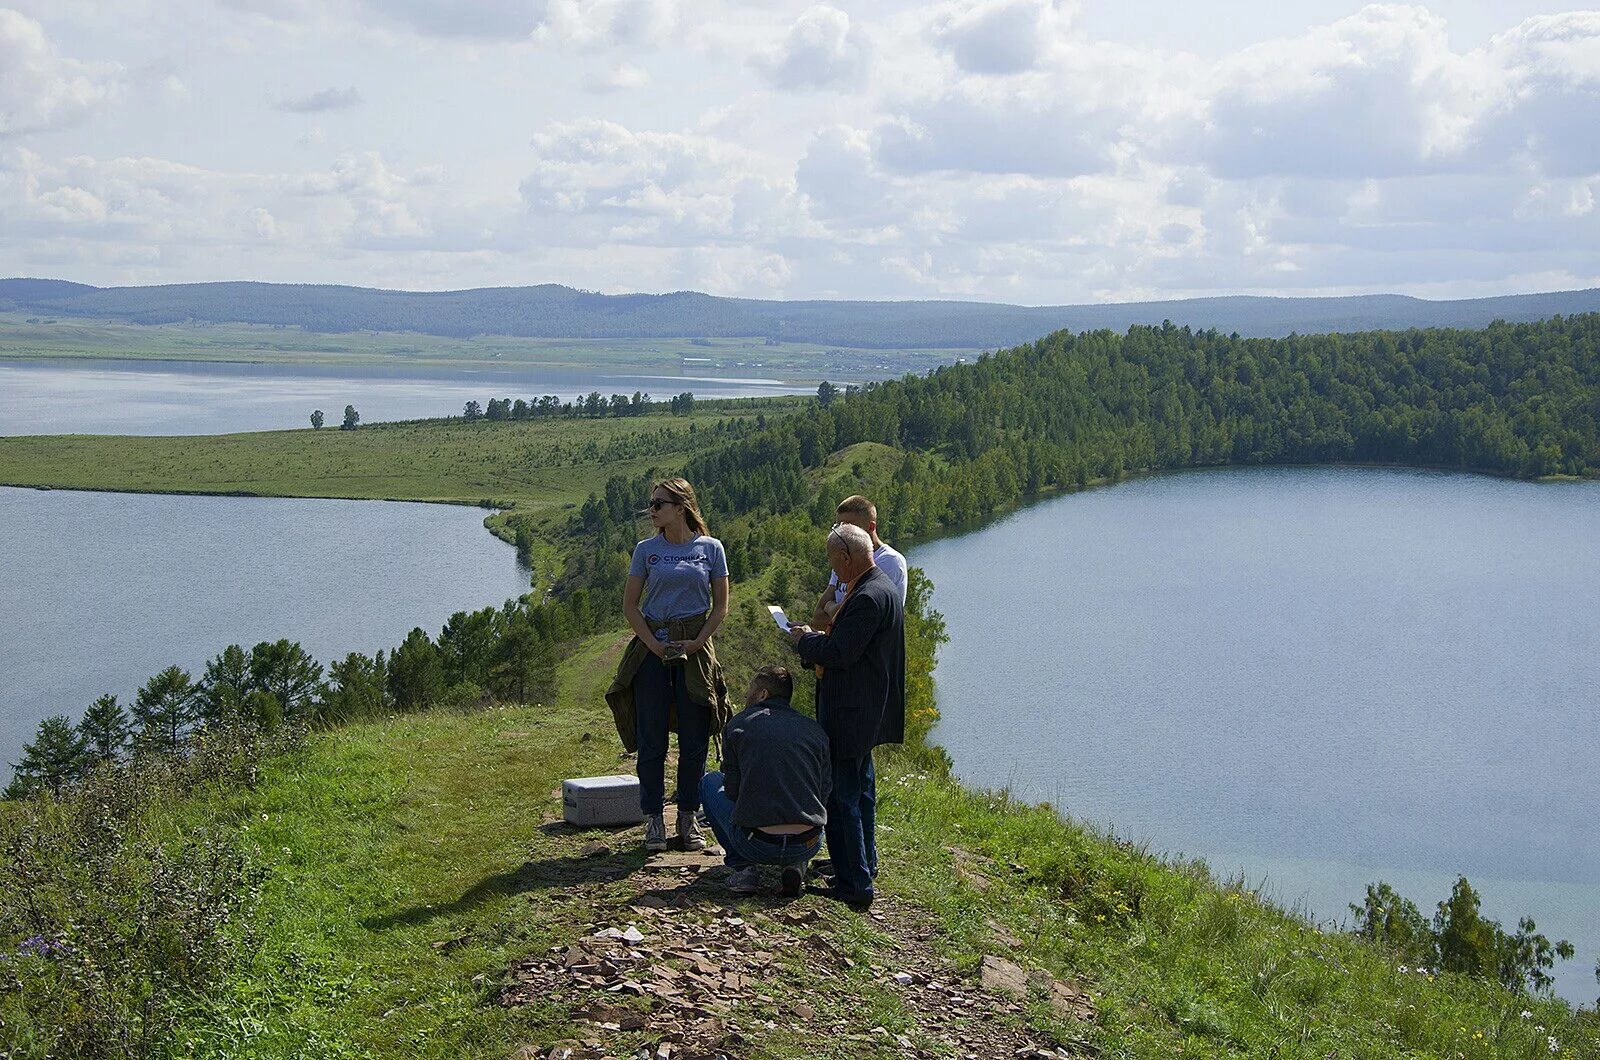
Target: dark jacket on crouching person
777, 774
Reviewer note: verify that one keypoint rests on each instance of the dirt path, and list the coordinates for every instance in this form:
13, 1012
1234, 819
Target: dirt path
665, 964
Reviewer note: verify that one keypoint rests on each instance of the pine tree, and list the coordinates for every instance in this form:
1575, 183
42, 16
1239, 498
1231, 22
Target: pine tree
292, 676
105, 729
166, 708
225, 684
53, 760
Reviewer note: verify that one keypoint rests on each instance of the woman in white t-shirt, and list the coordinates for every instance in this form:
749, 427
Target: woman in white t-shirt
676, 598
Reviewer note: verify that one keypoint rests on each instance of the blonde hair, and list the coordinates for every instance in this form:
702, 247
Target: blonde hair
683, 493
858, 505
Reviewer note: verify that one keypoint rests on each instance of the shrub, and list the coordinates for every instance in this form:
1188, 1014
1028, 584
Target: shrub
113, 912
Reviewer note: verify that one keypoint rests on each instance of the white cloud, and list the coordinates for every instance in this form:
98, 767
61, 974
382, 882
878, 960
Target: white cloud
999, 36
983, 126
985, 148
1377, 94
72, 206
841, 182
470, 19
597, 182
610, 23
822, 50
322, 100
625, 77
1550, 105
41, 89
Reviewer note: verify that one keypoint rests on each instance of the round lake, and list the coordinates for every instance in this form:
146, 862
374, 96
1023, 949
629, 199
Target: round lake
1315, 677
100, 590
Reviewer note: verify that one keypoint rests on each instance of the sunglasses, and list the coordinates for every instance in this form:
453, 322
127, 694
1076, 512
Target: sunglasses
656, 503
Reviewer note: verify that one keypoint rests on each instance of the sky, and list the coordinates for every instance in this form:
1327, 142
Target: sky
1030, 151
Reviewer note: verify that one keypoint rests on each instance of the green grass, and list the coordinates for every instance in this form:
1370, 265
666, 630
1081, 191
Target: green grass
530, 464
407, 871
34, 336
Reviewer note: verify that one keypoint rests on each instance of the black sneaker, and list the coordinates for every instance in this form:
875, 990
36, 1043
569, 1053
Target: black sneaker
858, 902
793, 882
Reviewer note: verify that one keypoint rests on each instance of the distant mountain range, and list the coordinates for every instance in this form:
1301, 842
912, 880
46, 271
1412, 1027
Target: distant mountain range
553, 311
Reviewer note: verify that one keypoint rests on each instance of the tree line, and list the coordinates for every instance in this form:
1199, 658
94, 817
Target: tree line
505, 654
1068, 410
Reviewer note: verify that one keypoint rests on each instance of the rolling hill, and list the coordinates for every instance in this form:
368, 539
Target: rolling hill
554, 311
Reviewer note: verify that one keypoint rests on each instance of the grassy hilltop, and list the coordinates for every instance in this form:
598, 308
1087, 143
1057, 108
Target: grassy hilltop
417, 896
420, 899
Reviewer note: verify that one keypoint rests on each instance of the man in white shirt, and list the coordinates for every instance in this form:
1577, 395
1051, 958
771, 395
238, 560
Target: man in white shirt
858, 511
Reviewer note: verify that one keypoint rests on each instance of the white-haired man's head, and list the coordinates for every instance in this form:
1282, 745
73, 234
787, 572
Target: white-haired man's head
849, 551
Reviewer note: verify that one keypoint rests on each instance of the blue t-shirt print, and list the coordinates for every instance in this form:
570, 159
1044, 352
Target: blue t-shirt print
677, 578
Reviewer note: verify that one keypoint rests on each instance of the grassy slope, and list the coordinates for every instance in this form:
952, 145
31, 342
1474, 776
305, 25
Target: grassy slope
408, 871
527, 464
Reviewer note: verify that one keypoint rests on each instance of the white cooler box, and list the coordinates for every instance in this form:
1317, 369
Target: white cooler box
588, 802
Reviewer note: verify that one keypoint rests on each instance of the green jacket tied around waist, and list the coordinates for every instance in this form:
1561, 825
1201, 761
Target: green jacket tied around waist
706, 683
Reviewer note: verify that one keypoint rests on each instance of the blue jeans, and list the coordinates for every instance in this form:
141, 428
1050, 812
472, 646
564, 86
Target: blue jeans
852, 820
659, 689
742, 848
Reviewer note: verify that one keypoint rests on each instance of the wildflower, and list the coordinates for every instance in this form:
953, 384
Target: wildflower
40, 946
1555, 1046
1404, 969
1527, 1015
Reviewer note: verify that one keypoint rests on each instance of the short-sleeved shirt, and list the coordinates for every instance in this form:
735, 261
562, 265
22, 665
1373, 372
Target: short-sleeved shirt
889, 561
677, 578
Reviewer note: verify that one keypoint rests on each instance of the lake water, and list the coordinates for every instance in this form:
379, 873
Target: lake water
186, 397
100, 590
1317, 677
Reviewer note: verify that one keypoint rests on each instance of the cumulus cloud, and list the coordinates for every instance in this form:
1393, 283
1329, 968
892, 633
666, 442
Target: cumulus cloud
1550, 93
821, 50
609, 23
998, 36
840, 181
469, 19
599, 182
624, 77
39, 88
980, 126
1377, 94
972, 147
325, 99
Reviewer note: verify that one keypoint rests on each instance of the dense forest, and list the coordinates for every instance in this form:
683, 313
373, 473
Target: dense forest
1514, 399
554, 311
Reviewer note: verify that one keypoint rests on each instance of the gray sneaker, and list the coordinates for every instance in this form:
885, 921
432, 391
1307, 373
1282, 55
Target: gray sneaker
655, 832
689, 831
745, 881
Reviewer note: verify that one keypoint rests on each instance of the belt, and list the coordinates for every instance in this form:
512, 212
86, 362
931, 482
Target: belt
784, 837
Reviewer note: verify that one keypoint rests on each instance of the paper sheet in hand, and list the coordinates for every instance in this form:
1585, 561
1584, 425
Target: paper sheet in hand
779, 617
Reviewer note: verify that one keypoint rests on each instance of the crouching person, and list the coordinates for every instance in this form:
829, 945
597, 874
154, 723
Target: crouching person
769, 804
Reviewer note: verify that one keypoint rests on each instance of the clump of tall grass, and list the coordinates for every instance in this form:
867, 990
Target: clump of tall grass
115, 908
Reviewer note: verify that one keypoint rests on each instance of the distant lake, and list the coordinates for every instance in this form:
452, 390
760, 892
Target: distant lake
1318, 677
100, 590
189, 397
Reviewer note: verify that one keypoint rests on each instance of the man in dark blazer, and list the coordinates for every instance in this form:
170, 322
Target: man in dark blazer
861, 703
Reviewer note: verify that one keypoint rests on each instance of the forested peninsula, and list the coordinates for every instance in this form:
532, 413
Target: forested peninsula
351, 864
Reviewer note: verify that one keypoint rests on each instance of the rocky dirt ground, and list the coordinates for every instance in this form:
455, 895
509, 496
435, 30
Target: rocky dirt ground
664, 963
